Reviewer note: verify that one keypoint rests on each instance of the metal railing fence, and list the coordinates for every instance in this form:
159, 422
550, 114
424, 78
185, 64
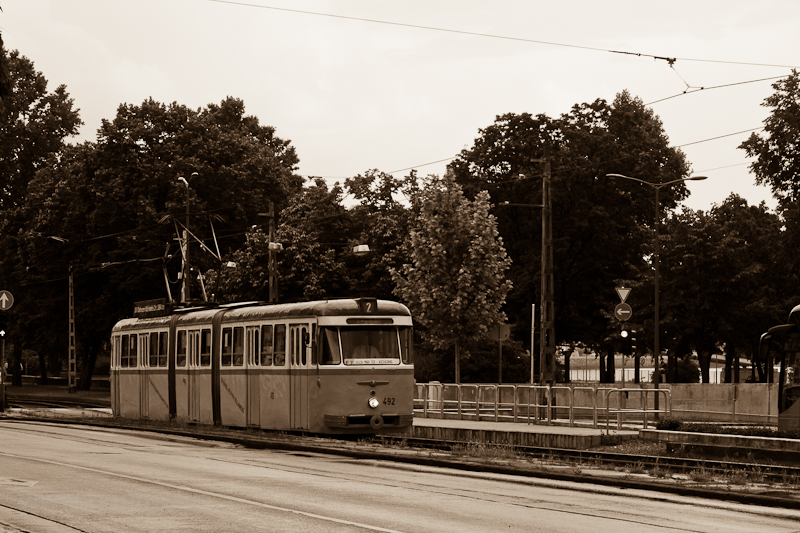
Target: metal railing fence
571, 404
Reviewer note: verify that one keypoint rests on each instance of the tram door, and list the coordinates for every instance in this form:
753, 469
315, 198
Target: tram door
298, 334
193, 390
789, 389
116, 364
253, 355
144, 376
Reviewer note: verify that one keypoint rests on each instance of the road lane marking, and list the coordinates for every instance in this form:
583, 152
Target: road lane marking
206, 493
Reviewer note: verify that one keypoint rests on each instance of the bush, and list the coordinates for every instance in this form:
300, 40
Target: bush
669, 424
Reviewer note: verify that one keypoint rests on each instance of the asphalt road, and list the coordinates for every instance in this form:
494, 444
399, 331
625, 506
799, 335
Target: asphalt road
77, 478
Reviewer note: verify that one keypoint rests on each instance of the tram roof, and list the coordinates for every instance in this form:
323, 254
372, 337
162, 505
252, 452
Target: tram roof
317, 308
256, 310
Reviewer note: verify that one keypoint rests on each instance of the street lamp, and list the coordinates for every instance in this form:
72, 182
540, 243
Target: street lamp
185, 296
657, 187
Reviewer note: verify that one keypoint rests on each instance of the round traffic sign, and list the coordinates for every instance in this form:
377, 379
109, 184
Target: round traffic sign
623, 312
6, 300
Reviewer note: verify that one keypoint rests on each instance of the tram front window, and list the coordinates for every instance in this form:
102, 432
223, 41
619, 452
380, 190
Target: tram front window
370, 345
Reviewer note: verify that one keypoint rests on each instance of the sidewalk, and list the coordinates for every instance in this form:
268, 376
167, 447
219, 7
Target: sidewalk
58, 393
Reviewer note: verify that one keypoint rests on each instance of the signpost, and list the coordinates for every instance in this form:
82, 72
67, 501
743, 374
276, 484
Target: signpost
500, 333
623, 312
6, 301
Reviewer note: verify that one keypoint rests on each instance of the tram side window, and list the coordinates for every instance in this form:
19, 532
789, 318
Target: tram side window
238, 346
123, 354
331, 351
129, 359
311, 341
180, 351
153, 360
205, 347
280, 345
266, 346
162, 351
253, 352
158, 349
227, 347
407, 345
115, 352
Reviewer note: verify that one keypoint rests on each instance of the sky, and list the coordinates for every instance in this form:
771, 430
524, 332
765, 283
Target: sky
371, 84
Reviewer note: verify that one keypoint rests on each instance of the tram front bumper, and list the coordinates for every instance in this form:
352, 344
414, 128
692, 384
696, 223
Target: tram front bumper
362, 421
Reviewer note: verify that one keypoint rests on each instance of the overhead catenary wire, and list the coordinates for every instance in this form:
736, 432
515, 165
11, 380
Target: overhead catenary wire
670, 60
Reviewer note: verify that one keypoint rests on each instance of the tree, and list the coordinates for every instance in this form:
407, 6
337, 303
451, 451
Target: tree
34, 124
455, 284
777, 164
118, 202
381, 222
5, 75
777, 153
602, 228
720, 281
314, 232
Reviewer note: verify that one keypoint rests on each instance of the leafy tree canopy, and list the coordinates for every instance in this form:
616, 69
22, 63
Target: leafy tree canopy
33, 126
777, 152
601, 226
118, 202
455, 284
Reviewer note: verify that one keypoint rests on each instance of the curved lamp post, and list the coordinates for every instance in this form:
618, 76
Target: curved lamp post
657, 187
186, 295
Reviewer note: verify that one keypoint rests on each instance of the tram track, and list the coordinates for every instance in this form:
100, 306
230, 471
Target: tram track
534, 457
663, 464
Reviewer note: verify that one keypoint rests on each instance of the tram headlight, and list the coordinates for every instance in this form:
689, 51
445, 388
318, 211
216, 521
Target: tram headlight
373, 402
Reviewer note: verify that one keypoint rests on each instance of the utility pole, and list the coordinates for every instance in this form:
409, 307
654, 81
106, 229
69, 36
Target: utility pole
72, 362
547, 348
185, 286
186, 290
273, 260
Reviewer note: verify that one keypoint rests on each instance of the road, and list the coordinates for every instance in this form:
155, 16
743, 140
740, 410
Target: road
56, 478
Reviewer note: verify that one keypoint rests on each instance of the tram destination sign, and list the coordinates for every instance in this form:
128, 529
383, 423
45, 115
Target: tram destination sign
152, 308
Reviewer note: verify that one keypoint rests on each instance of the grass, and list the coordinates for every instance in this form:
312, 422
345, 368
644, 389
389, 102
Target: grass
487, 452
701, 475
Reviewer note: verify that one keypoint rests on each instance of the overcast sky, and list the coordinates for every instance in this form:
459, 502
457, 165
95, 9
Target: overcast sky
392, 91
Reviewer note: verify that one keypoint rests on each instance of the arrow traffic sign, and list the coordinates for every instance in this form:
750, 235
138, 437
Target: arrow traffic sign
623, 312
6, 300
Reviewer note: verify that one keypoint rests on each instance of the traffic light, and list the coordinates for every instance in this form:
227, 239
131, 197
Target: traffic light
3, 325
632, 337
625, 344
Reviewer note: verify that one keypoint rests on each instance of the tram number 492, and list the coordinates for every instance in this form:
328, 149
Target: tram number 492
388, 401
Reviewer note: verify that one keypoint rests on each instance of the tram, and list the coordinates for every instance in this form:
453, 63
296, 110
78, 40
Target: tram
780, 346
323, 367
